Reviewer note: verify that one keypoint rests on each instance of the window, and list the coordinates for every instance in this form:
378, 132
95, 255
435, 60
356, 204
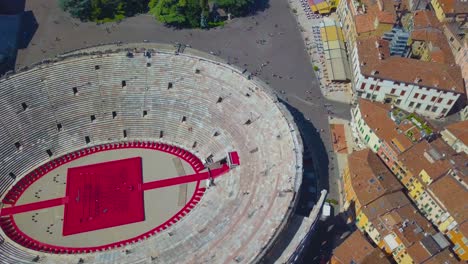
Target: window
372, 87
93, 118
423, 97
368, 95
450, 102
374, 96
402, 93
87, 139
75, 90
434, 108
59, 127
416, 95
411, 104
96, 67
428, 107
439, 100
25, 106
363, 85
444, 110
398, 101
169, 85
125, 133
12, 175
433, 98
418, 105
114, 114
220, 99
161, 134
377, 88
184, 118
145, 113
393, 91
124, 83
49, 152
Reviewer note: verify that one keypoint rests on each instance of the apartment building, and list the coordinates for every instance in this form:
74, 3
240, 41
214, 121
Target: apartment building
450, 10
456, 136
427, 88
419, 158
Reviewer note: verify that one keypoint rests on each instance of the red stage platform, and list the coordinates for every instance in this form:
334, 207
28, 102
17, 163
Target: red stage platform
104, 195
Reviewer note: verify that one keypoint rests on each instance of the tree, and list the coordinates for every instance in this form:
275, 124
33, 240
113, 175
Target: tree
176, 12
77, 8
103, 10
236, 7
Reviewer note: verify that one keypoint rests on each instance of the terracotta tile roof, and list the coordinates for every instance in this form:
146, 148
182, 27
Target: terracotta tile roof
439, 47
385, 204
405, 222
431, 74
382, 10
426, 156
354, 249
464, 228
453, 6
364, 23
376, 256
444, 257
386, 17
370, 178
377, 117
451, 193
418, 253
424, 19
459, 130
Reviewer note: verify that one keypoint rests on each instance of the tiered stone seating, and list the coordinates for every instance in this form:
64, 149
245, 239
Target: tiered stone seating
240, 216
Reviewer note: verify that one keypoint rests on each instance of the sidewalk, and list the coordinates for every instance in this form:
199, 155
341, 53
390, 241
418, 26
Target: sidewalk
311, 35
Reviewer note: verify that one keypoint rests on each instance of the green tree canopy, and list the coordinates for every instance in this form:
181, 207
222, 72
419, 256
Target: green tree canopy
103, 10
236, 7
77, 8
177, 12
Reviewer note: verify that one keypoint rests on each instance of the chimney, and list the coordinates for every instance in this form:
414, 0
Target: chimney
417, 80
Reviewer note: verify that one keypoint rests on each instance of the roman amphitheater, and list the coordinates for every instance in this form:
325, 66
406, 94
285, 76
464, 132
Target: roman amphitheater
143, 153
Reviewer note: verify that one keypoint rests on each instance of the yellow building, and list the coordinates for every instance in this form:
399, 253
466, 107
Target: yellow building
323, 6
450, 10
451, 192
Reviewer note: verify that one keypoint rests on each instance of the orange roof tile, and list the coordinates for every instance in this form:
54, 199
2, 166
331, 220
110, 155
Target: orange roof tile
430, 74
353, 250
451, 193
426, 156
377, 117
444, 257
425, 19
370, 178
405, 222
460, 131
453, 6
385, 204
418, 253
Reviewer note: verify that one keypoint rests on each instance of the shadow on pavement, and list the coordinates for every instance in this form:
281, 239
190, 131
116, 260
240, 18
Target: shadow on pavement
12, 7
315, 162
29, 27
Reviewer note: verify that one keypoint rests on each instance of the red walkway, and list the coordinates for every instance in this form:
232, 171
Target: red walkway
146, 186
33, 206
